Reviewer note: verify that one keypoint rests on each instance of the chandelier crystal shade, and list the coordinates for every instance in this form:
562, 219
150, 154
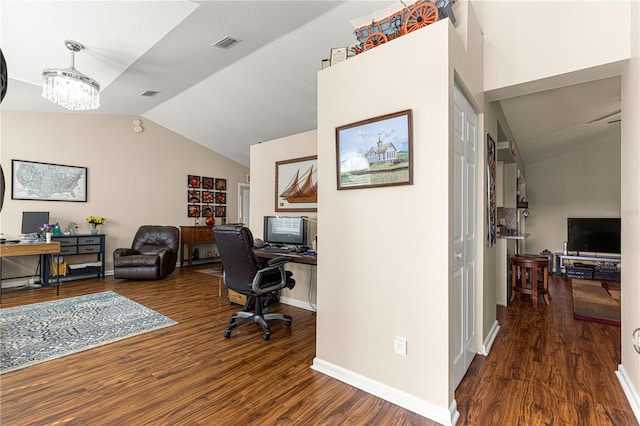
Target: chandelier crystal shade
70, 88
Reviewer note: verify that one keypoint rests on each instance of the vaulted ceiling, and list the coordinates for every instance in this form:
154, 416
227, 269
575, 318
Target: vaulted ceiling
262, 88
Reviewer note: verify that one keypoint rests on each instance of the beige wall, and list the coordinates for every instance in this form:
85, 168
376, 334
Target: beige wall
629, 370
386, 252
584, 183
133, 178
263, 160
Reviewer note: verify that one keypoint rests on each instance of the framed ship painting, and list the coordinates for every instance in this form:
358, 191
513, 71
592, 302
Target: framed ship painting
297, 185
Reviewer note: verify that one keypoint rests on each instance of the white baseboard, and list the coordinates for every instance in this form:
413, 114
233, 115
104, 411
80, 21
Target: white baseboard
298, 303
488, 342
395, 396
629, 391
20, 282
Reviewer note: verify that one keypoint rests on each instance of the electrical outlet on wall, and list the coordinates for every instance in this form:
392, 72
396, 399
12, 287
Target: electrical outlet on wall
400, 346
636, 340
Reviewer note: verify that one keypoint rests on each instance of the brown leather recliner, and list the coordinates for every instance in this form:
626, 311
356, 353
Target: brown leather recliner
153, 254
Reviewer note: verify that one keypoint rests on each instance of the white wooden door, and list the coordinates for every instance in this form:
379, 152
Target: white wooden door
244, 191
464, 234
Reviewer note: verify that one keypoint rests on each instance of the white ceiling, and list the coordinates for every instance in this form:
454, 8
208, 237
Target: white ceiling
261, 89
554, 122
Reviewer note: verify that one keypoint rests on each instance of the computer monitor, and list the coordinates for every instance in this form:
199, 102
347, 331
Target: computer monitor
32, 221
285, 230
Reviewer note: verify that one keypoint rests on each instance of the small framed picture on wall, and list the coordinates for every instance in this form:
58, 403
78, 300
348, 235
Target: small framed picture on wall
193, 197
207, 211
207, 182
207, 197
221, 211
221, 184
193, 211
193, 181
221, 197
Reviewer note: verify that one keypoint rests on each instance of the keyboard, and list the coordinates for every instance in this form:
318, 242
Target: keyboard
276, 249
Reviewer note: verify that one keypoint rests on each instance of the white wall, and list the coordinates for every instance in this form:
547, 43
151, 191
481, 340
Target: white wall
584, 183
133, 178
532, 40
263, 159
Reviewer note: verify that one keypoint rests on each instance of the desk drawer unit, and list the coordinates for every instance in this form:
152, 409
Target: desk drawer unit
72, 245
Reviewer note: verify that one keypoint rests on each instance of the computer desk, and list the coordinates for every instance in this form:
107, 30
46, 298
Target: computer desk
30, 249
295, 257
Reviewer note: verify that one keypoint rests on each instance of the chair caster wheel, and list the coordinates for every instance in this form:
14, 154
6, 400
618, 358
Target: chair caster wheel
227, 334
265, 336
287, 323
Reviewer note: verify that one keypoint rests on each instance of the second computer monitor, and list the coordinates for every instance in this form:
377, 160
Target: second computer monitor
285, 230
32, 221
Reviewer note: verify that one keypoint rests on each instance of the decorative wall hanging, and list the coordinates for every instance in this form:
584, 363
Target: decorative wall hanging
375, 152
491, 191
193, 211
297, 185
221, 211
207, 197
221, 197
200, 202
207, 182
221, 184
193, 197
48, 182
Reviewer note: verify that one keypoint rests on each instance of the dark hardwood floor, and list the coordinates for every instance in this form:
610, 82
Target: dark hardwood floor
544, 368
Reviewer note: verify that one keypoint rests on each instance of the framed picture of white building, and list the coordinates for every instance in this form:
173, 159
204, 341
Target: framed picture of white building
375, 152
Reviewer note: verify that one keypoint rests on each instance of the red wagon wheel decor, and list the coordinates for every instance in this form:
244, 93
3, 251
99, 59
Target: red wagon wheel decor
419, 17
374, 40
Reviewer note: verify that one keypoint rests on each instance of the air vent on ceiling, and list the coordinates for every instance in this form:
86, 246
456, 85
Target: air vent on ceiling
225, 42
602, 117
149, 93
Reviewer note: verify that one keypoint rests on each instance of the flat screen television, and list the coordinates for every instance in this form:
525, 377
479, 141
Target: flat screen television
598, 235
32, 221
285, 230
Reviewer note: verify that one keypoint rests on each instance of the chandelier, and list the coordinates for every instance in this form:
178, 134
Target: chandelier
70, 88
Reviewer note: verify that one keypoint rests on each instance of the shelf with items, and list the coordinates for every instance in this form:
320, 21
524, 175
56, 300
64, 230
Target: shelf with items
81, 256
192, 236
588, 267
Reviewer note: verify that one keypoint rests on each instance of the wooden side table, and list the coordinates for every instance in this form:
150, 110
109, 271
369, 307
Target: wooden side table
191, 235
524, 277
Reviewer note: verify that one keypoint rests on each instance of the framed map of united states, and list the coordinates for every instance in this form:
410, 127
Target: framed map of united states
48, 182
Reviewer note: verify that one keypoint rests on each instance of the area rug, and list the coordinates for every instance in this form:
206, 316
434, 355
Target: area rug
596, 301
216, 272
40, 332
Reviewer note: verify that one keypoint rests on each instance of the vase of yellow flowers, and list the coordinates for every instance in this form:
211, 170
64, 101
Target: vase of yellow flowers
94, 222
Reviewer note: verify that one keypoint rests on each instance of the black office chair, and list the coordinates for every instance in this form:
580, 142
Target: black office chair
245, 274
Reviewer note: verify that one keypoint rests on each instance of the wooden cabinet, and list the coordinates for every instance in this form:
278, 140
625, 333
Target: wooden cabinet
193, 235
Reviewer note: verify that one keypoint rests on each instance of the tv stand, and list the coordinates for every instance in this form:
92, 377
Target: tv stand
589, 267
